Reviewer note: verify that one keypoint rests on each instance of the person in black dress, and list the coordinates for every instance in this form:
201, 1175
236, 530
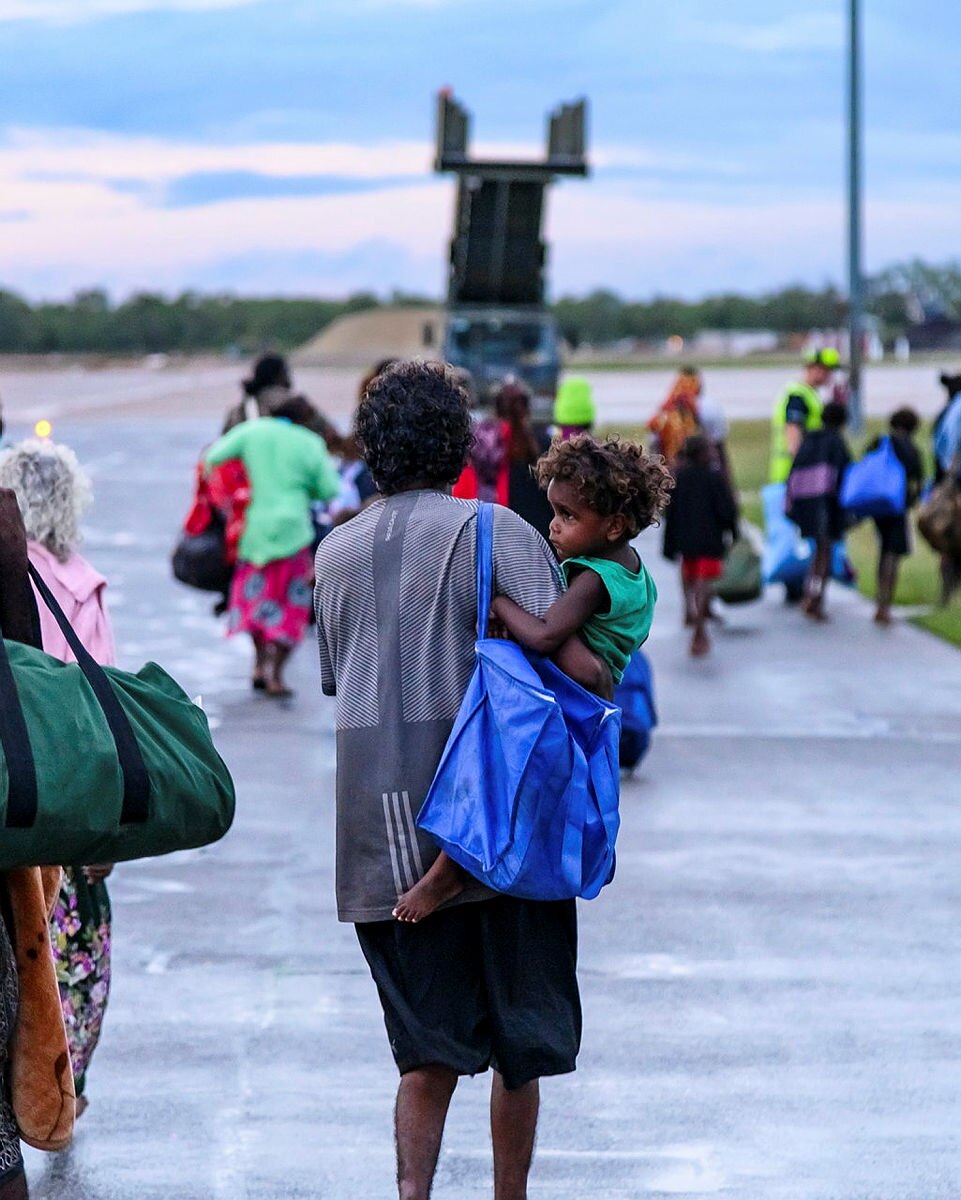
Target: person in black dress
702, 512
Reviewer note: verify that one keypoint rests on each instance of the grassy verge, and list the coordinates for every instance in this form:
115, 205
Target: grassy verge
660, 363
918, 583
591, 361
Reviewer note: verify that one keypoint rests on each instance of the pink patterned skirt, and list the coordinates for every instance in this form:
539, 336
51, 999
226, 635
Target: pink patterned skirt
272, 602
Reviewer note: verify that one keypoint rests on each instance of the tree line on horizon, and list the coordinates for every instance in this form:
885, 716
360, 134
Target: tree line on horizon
192, 322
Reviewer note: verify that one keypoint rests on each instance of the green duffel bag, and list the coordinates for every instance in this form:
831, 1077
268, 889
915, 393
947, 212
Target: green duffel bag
741, 580
100, 765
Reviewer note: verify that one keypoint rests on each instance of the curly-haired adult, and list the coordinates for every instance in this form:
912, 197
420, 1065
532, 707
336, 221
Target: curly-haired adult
486, 980
406, 445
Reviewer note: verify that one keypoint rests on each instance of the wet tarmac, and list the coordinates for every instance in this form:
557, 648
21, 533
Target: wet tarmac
770, 985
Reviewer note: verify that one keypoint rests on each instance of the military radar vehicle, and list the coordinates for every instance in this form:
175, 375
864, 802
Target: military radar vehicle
497, 322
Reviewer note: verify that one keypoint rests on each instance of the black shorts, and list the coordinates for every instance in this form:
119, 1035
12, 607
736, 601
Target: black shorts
489, 983
893, 534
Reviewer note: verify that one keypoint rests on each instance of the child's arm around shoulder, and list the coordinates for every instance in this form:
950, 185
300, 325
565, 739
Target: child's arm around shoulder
585, 596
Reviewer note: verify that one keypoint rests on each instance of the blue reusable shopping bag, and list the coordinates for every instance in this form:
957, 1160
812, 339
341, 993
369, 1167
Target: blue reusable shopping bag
635, 695
877, 486
526, 793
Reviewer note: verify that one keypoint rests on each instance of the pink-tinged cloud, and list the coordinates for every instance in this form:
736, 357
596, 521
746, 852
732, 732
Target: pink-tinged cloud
89, 208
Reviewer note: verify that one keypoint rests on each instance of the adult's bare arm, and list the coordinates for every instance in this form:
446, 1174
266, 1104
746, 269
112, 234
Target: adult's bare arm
18, 609
793, 437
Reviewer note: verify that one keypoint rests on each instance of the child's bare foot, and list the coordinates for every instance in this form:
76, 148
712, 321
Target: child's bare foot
700, 644
429, 893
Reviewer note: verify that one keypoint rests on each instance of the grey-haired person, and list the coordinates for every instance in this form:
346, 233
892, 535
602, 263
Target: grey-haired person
53, 491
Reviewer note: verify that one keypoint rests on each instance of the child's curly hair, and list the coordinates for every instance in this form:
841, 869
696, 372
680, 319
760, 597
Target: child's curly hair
610, 476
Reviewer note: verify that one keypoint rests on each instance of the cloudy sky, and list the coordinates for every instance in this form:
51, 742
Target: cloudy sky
284, 146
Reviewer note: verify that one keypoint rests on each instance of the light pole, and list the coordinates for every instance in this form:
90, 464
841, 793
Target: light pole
855, 281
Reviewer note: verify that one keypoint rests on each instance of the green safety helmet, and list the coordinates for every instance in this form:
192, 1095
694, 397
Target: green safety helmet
574, 404
827, 356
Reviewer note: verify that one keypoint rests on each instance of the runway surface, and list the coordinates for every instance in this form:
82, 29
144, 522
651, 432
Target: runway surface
770, 984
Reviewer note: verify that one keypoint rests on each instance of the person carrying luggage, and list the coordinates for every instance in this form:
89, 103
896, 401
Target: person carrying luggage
894, 539
813, 500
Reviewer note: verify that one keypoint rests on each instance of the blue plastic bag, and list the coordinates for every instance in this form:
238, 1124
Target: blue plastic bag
525, 797
877, 486
635, 696
787, 556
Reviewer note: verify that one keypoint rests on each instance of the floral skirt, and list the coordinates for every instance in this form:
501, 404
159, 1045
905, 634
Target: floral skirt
272, 602
80, 934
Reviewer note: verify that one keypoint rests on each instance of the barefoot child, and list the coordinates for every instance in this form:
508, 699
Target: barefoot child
603, 493
701, 514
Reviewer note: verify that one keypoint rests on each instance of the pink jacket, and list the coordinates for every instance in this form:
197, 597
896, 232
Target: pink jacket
78, 589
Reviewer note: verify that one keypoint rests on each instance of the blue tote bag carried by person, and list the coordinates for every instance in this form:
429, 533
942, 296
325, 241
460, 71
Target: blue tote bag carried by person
787, 556
526, 794
635, 696
877, 486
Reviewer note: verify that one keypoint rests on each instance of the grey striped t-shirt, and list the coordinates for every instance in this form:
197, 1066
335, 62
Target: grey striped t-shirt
396, 625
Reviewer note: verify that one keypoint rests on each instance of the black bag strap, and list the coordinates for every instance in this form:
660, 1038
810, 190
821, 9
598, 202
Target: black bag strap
136, 781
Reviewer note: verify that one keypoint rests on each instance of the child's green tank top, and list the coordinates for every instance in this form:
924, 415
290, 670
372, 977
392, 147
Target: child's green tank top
615, 635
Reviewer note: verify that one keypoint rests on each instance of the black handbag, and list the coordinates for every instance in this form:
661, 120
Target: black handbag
200, 559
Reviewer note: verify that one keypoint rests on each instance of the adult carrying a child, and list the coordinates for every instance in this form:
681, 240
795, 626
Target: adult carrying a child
396, 605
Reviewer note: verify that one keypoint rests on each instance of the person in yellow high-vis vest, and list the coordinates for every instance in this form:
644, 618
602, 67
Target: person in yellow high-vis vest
797, 410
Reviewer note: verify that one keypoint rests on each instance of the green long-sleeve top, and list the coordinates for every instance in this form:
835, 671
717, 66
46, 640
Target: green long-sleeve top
287, 466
